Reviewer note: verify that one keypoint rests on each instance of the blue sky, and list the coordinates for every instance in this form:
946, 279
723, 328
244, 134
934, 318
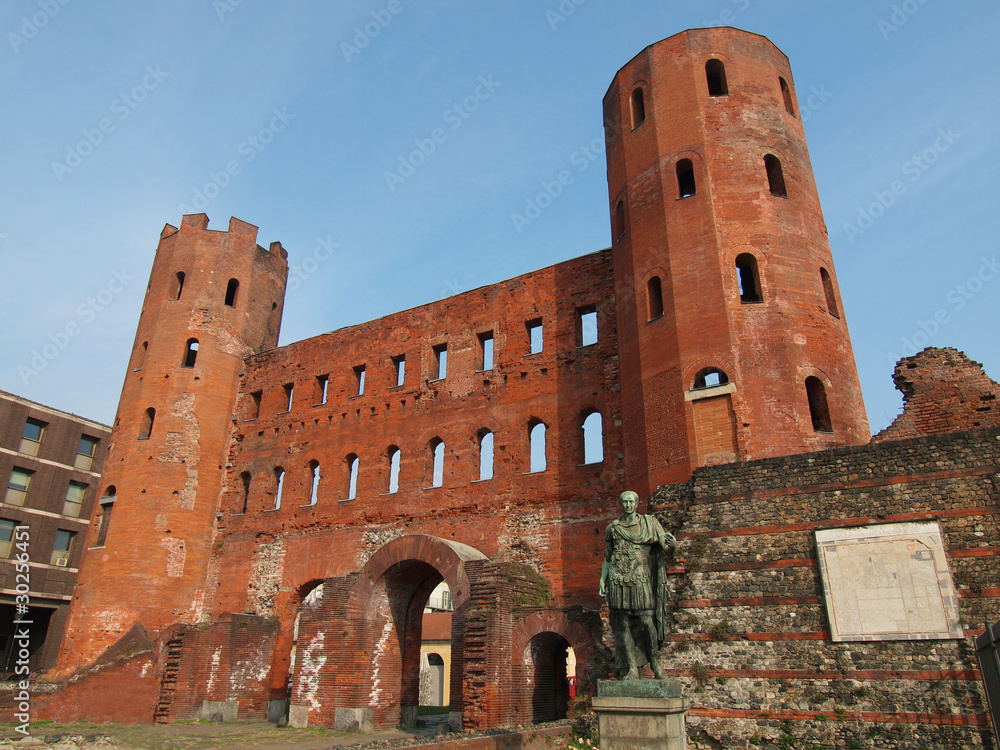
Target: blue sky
892, 92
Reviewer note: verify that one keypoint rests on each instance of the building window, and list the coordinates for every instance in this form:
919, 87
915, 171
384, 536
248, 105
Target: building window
17, 486
289, 389
322, 383
593, 438
74, 499
353, 468
359, 377
485, 440
440, 361
536, 447
618, 228
685, 178
399, 365
107, 505
253, 405
279, 485
535, 337
749, 279
786, 96
31, 438
710, 377
831, 299
819, 410
486, 351
178, 285
146, 429
231, 291
654, 298
190, 353
775, 176
313, 481
140, 355
715, 72
62, 548
638, 108
394, 458
244, 491
586, 321
6, 537
85, 452
436, 447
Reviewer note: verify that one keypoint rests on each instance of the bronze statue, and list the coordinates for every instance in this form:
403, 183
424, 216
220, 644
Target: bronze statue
633, 578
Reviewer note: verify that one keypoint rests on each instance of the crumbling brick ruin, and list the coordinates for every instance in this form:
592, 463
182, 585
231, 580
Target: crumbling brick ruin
706, 356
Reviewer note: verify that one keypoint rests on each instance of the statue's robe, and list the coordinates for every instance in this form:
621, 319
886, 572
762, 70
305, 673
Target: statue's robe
637, 574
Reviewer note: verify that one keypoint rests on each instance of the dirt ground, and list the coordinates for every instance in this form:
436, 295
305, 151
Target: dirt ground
197, 735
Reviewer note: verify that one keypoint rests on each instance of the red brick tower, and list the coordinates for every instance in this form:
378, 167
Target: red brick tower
213, 298
731, 335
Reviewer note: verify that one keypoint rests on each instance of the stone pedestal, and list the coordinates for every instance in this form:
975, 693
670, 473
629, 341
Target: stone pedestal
641, 714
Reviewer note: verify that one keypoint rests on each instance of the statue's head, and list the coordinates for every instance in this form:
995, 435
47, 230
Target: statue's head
629, 501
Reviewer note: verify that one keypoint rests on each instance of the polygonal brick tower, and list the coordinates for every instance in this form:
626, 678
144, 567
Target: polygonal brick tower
213, 298
732, 339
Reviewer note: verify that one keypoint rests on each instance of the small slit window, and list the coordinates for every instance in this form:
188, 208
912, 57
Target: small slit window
593, 439
394, 458
819, 409
313, 481
232, 289
399, 365
685, 179
710, 377
107, 505
485, 440
244, 491
440, 361
638, 106
486, 351
353, 469
190, 353
289, 389
786, 96
831, 299
437, 462
279, 486
775, 176
654, 298
359, 378
535, 337
178, 285
619, 226
146, 429
536, 447
322, 383
749, 279
715, 72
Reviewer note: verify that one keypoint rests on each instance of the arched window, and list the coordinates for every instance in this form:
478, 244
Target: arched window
353, 468
536, 446
710, 377
831, 299
178, 285
685, 179
593, 439
749, 279
279, 484
141, 355
715, 72
786, 95
245, 489
654, 298
107, 505
147, 423
638, 108
394, 459
819, 410
619, 227
313, 481
436, 447
231, 289
190, 353
775, 177
485, 440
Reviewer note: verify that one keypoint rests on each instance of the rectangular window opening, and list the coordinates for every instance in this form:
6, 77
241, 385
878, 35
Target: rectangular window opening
73, 503
289, 389
17, 486
588, 326
322, 382
399, 365
359, 374
253, 407
85, 452
486, 350
535, 338
62, 548
440, 361
6, 537
31, 438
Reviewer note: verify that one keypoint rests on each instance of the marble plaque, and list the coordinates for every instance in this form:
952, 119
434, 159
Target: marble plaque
887, 583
